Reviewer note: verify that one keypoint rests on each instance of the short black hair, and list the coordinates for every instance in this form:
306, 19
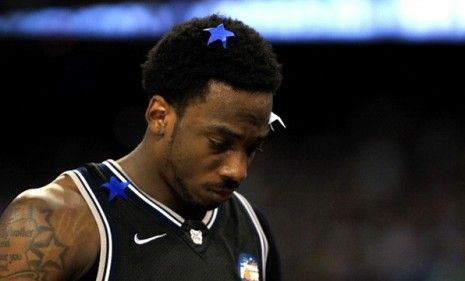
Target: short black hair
181, 64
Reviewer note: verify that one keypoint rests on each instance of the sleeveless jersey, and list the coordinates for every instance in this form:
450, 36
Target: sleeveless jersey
142, 239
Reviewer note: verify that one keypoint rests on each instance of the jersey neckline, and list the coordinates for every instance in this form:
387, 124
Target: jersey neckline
209, 218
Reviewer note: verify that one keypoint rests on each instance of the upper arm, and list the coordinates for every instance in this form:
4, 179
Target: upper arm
46, 234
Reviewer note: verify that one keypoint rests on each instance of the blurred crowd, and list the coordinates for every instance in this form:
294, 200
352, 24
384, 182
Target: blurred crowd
380, 198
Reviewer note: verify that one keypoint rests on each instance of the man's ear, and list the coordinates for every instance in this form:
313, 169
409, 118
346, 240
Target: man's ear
158, 114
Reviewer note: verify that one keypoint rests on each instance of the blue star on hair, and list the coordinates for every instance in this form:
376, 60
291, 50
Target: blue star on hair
218, 33
116, 188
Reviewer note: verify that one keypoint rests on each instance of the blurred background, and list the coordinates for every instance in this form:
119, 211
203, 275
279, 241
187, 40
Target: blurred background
367, 181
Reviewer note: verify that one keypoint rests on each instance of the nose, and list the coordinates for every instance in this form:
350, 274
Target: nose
235, 166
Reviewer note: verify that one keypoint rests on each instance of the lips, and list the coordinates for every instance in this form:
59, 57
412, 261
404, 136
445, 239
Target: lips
223, 194
222, 191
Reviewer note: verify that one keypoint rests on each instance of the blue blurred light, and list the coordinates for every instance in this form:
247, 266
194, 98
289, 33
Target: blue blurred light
277, 21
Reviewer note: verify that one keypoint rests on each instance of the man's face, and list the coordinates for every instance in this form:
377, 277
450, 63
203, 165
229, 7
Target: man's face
214, 142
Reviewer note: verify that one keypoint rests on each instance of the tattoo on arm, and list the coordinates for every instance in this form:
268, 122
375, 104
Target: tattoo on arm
40, 251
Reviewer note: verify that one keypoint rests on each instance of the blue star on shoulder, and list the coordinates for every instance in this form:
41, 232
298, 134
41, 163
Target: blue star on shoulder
116, 188
219, 33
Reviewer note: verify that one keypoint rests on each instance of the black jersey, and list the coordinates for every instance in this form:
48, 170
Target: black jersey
142, 239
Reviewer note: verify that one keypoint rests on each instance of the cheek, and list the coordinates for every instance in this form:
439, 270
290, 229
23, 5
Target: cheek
213, 163
191, 162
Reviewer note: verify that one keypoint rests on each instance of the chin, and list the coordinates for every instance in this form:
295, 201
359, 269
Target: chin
206, 206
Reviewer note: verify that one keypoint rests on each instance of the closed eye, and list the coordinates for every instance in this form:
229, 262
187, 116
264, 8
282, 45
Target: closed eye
218, 145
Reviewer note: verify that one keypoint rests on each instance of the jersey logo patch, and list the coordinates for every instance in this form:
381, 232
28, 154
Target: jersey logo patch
248, 267
147, 240
196, 236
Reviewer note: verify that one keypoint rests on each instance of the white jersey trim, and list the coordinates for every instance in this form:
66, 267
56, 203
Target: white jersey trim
106, 243
261, 234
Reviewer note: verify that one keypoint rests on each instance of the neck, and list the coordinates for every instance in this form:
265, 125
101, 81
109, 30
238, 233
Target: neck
144, 165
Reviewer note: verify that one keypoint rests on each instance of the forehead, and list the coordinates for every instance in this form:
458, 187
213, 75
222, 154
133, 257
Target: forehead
226, 105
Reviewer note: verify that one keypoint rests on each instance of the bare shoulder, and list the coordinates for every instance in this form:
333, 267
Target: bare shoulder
47, 233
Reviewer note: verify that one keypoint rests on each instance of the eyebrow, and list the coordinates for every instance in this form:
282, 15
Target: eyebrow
231, 134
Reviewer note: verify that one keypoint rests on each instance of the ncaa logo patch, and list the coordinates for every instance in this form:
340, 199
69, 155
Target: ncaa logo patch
248, 267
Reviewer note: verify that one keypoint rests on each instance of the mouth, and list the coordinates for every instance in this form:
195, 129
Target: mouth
222, 194
221, 191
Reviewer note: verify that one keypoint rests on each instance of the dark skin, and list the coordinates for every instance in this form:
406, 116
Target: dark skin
190, 163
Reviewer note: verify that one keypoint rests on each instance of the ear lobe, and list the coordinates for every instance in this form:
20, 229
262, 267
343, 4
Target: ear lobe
156, 114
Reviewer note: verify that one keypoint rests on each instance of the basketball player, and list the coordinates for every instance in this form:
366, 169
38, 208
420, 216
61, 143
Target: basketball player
169, 209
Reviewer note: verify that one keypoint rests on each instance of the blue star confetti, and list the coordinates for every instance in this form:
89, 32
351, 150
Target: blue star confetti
116, 188
218, 33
